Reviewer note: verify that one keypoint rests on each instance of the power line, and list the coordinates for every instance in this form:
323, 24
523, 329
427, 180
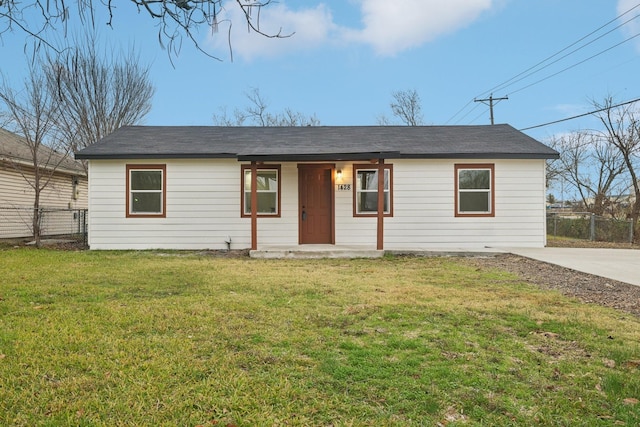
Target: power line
581, 115
482, 113
510, 81
536, 68
504, 86
467, 113
575, 65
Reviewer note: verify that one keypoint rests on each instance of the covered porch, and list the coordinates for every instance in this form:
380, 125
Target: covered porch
315, 251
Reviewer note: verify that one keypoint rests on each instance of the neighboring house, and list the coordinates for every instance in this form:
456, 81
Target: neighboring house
443, 187
67, 188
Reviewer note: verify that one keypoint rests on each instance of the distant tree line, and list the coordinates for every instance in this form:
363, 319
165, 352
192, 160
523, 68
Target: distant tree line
603, 165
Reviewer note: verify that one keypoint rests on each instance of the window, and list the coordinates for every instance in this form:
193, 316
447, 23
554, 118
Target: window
146, 190
474, 190
268, 190
366, 190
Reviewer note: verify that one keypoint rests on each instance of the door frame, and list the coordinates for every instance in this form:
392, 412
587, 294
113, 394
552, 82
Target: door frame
325, 166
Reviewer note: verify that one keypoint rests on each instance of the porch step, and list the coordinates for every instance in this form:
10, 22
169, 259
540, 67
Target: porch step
315, 252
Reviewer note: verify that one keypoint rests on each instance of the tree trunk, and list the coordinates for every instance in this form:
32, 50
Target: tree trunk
36, 220
36, 204
635, 217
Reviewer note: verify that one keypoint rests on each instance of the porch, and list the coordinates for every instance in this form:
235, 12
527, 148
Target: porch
359, 251
315, 251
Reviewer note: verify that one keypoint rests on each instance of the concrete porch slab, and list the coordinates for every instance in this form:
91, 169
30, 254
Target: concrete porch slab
315, 252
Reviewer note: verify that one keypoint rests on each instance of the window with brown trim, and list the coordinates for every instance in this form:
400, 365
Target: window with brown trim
474, 192
268, 190
365, 190
146, 191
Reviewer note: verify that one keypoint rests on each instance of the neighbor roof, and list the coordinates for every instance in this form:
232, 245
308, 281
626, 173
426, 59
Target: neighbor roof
317, 143
14, 149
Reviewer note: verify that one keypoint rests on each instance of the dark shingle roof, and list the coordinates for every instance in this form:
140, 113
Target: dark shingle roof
317, 143
14, 149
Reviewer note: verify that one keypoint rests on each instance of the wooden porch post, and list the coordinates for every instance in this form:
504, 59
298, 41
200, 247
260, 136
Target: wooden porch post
380, 238
254, 206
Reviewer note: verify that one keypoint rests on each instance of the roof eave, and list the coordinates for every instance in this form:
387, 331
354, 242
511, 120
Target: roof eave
50, 167
498, 156
317, 157
306, 157
142, 156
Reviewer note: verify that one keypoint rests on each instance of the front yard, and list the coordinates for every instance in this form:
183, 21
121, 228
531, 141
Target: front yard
156, 338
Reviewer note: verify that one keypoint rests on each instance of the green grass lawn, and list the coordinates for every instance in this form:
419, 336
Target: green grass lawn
149, 338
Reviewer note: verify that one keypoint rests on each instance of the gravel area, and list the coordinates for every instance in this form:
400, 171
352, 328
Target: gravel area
586, 287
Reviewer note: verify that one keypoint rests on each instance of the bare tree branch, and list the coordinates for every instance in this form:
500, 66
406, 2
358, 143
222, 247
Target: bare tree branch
258, 115
97, 94
32, 114
622, 130
594, 168
177, 19
405, 106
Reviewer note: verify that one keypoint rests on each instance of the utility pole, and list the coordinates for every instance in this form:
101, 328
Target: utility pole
490, 101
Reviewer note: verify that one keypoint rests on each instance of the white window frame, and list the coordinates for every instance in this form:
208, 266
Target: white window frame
489, 191
388, 190
131, 192
246, 190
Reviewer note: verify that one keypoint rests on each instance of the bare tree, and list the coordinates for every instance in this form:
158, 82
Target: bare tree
32, 114
593, 167
622, 130
257, 114
96, 94
405, 106
176, 19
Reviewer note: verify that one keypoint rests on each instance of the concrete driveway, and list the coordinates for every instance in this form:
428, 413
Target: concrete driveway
616, 264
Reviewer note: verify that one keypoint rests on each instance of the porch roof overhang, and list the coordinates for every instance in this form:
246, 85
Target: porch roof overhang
317, 157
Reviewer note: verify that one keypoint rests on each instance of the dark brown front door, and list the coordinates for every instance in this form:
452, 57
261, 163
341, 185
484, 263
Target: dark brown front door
315, 214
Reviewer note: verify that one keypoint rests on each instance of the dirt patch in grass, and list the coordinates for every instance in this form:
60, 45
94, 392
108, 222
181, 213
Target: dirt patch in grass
586, 287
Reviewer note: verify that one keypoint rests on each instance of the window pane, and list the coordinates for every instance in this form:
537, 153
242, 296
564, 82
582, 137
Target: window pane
474, 179
368, 202
367, 191
368, 180
146, 202
474, 201
267, 203
267, 180
146, 180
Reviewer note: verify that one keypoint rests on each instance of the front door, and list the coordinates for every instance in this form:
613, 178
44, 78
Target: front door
315, 213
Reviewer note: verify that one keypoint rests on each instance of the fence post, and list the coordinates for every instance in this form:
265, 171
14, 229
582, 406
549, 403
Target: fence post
630, 231
592, 230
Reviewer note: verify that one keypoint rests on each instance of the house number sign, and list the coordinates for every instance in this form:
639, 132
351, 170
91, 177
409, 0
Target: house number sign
344, 187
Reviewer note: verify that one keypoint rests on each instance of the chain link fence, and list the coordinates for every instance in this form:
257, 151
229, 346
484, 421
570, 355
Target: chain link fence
587, 226
17, 223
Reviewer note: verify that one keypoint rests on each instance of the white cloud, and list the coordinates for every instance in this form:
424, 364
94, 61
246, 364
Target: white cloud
309, 28
389, 27
632, 28
393, 26
570, 109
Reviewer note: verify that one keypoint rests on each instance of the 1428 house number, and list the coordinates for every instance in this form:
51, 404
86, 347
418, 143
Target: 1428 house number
344, 187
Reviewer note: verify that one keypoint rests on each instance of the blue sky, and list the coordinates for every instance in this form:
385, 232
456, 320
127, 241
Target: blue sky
346, 58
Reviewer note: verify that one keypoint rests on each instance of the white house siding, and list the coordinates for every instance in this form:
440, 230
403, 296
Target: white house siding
17, 197
424, 217
203, 208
